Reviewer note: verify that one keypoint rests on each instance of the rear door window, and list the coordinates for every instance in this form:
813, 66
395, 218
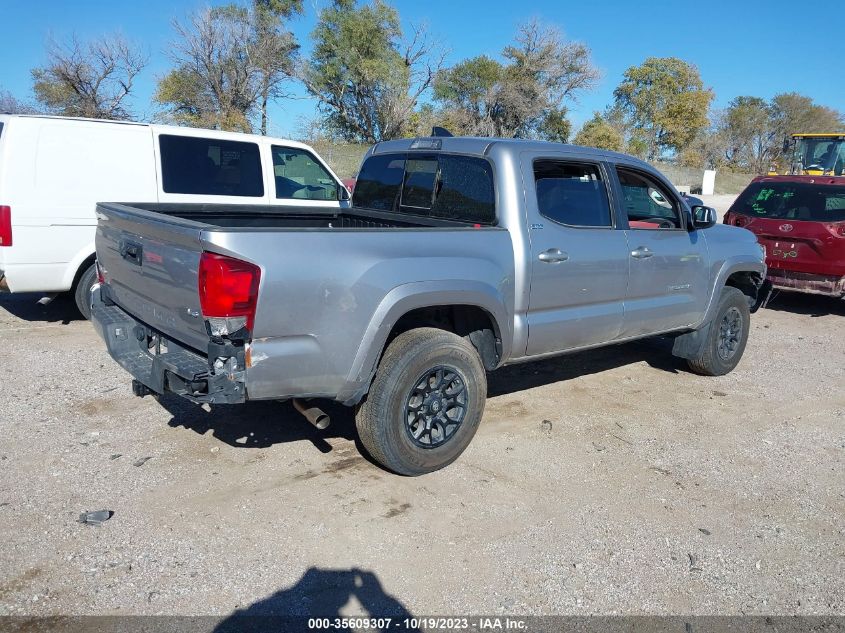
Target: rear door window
211, 167
571, 193
445, 186
300, 176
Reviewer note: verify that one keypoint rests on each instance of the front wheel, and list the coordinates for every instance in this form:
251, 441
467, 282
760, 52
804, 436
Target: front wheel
727, 337
425, 403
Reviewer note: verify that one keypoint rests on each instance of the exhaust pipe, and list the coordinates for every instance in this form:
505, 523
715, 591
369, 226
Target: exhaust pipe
314, 415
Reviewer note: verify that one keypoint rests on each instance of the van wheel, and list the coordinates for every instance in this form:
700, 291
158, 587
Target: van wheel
425, 403
82, 290
727, 337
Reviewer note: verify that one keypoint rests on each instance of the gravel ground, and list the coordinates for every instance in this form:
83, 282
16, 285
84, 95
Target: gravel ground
605, 482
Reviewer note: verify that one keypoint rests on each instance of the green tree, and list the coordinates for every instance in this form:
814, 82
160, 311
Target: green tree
597, 132
89, 79
749, 133
665, 104
367, 78
523, 96
231, 61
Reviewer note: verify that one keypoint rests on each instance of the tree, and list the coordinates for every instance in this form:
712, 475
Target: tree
275, 49
794, 113
597, 132
92, 79
749, 133
231, 61
366, 78
665, 104
526, 95
752, 130
9, 104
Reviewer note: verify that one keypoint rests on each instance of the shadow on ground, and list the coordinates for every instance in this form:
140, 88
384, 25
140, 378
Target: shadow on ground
656, 352
320, 593
806, 304
25, 306
263, 424
259, 424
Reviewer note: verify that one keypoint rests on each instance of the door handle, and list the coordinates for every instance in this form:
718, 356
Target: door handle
641, 252
553, 256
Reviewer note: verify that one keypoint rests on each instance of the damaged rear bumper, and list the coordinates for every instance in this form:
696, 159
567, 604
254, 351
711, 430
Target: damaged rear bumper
807, 282
164, 365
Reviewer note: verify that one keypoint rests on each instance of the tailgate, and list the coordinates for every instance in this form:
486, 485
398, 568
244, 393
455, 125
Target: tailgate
810, 247
150, 262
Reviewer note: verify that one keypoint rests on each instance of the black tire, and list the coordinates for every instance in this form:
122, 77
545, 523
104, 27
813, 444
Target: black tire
412, 430
727, 337
82, 290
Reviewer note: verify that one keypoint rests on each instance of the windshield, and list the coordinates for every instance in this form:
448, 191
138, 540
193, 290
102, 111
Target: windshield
792, 201
821, 154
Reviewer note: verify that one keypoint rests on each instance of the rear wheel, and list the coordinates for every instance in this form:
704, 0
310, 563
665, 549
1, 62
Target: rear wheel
727, 337
82, 290
425, 403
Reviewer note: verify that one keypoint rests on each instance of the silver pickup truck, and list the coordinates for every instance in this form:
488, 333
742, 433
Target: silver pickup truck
456, 256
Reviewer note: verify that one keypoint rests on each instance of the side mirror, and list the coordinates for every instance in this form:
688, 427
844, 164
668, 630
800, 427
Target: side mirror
703, 217
343, 193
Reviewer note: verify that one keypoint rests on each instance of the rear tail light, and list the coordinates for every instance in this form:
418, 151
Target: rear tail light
5, 226
837, 228
228, 290
100, 277
738, 220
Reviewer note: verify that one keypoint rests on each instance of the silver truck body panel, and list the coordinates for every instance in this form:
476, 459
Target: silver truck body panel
329, 297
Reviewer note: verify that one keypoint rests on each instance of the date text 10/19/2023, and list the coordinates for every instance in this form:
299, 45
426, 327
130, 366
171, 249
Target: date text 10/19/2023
417, 623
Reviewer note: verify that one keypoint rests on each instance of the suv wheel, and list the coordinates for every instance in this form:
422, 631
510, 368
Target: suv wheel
727, 337
425, 403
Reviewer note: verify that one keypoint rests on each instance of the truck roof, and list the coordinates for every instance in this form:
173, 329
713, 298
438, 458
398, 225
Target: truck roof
481, 146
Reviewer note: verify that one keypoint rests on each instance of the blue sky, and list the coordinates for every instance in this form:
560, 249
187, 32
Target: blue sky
741, 47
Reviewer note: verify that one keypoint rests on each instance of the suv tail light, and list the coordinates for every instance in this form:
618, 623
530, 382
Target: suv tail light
228, 290
5, 226
837, 228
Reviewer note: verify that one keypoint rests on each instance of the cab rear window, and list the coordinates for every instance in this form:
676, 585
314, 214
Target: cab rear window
445, 186
792, 201
211, 167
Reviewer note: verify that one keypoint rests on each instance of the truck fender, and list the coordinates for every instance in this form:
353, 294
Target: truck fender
411, 296
735, 264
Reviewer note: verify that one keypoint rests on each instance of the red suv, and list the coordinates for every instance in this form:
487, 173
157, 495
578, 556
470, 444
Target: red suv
801, 222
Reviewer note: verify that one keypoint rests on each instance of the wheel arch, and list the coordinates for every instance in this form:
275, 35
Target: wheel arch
474, 310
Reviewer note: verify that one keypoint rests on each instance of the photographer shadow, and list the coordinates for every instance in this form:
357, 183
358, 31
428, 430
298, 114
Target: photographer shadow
320, 593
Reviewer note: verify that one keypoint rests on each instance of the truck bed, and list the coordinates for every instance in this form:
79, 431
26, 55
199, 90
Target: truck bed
263, 217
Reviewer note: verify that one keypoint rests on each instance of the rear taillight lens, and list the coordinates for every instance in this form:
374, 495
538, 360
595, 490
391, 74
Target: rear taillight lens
228, 290
837, 228
101, 279
738, 220
5, 226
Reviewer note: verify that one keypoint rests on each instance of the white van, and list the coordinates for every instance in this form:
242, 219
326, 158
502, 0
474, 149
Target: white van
54, 170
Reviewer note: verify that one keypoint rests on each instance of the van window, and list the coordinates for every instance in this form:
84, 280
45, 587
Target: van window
571, 193
300, 176
210, 167
446, 186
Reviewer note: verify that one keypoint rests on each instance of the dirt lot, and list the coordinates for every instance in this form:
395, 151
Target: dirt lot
606, 482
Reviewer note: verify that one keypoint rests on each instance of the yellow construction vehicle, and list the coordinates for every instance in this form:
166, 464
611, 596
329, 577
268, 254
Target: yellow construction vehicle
813, 155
